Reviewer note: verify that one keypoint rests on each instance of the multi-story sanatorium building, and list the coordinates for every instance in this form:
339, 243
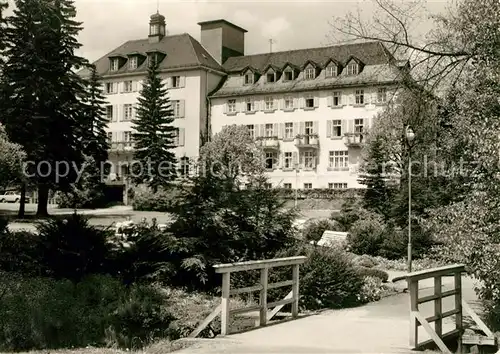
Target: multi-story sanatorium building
308, 108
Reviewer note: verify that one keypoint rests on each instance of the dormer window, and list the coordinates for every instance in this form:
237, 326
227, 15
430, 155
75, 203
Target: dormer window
352, 68
115, 64
310, 73
271, 76
132, 63
331, 71
249, 78
288, 75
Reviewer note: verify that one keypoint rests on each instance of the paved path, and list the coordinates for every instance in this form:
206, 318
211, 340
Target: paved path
380, 327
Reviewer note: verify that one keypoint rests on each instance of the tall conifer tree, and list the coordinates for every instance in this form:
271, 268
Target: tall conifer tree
43, 95
154, 139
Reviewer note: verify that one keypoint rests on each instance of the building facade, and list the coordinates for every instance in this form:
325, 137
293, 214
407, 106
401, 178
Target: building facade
308, 109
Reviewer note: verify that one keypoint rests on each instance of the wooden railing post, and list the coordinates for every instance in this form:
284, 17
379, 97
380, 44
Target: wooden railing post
438, 306
295, 291
413, 288
458, 307
225, 311
264, 273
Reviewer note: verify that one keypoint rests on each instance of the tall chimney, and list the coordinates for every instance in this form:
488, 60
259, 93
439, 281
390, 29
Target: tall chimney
222, 39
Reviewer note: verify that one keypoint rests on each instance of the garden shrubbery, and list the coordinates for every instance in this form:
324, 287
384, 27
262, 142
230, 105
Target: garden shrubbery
164, 200
314, 230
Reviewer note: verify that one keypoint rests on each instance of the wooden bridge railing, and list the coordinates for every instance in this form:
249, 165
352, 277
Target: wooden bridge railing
417, 319
264, 265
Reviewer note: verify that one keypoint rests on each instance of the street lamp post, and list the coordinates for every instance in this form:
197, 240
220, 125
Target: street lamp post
410, 135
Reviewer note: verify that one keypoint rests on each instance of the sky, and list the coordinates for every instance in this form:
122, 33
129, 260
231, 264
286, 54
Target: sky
290, 24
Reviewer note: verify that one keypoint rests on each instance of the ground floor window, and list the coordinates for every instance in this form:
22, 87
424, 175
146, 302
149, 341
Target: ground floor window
287, 185
337, 185
308, 185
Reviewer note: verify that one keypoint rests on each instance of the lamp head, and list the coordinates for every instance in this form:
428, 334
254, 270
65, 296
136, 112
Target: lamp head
410, 135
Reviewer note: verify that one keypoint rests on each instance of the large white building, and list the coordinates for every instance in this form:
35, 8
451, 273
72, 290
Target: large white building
307, 108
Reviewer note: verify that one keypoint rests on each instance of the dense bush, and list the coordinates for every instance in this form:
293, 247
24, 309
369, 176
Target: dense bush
162, 200
42, 313
315, 229
371, 290
20, 252
70, 248
320, 193
373, 272
366, 235
349, 213
328, 279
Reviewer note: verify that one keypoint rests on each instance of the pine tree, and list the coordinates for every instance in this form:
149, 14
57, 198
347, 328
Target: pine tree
154, 137
374, 175
3, 6
42, 95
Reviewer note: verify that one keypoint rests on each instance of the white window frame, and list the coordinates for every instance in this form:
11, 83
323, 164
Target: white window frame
338, 159
288, 160
292, 75
250, 101
248, 78
360, 96
176, 108
308, 98
309, 128
127, 112
337, 185
126, 87
231, 106
109, 112
110, 88
273, 156
251, 130
309, 157
269, 130
331, 71
132, 63
381, 95
127, 136
115, 65
288, 102
176, 81
289, 130
307, 185
109, 137
268, 74
337, 98
336, 123
287, 185
353, 69
269, 103
359, 124
309, 73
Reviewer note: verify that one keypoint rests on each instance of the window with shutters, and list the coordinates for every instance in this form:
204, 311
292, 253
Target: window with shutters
269, 130
289, 131
110, 87
109, 112
109, 137
309, 101
127, 86
127, 136
382, 95
287, 185
337, 99
336, 128
249, 105
288, 160
358, 125
360, 96
309, 159
270, 161
176, 137
309, 128
338, 159
127, 112
176, 81
308, 186
336, 185
176, 108
288, 102
269, 103
132, 63
251, 130
231, 106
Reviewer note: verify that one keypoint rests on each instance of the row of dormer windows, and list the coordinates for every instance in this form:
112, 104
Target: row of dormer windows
310, 73
136, 85
306, 102
133, 61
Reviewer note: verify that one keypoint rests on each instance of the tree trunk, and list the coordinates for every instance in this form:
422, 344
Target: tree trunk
43, 199
22, 202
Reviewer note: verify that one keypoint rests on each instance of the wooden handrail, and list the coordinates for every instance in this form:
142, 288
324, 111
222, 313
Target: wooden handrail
251, 265
431, 273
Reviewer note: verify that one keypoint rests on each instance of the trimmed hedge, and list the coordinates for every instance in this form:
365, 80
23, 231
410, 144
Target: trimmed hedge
320, 193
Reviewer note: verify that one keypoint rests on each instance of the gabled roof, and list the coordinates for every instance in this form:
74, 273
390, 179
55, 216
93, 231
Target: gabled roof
290, 65
251, 68
352, 57
271, 66
332, 61
370, 53
310, 62
183, 51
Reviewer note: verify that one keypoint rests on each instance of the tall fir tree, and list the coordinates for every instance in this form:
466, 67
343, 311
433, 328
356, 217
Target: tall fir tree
43, 95
154, 138
3, 6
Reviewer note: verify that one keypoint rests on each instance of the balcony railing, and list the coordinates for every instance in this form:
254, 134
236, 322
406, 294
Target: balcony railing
122, 146
353, 139
307, 141
269, 143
